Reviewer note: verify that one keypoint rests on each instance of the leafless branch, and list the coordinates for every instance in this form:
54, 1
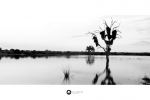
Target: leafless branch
97, 31
111, 20
105, 23
116, 26
91, 33
102, 48
118, 31
119, 36
100, 28
98, 43
113, 23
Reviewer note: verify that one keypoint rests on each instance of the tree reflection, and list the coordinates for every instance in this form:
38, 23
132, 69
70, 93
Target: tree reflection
108, 80
90, 59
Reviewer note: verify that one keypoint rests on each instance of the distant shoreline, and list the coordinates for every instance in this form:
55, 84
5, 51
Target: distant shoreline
59, 53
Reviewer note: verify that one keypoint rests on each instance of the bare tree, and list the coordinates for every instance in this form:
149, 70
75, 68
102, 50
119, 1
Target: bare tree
108, 35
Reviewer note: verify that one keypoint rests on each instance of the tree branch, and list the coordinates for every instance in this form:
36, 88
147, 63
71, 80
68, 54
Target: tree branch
100, 28
116, 26
102, 48
112, 23
105, 23
98, 43
119, 37
91, 33
97, 31
118, 31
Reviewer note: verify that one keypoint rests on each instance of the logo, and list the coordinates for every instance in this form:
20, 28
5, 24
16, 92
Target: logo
73, 92
68, 92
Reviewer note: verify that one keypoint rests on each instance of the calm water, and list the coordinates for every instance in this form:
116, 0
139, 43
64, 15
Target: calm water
83, 69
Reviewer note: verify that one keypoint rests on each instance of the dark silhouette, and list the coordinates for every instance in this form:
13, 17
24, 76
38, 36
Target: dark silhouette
90, 49
16, 56
42, 54
108, 80
108, 35
12, 53
95, 40
90, 59
146, 80
67, 75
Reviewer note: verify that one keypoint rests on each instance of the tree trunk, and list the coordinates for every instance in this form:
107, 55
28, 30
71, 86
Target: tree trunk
107, 56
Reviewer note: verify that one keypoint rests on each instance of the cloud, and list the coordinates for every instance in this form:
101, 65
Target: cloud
120, 16
146, 18
141, 25
147, 38
142, 43
76, 36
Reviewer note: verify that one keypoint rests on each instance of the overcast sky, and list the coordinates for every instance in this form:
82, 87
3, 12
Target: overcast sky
63, 24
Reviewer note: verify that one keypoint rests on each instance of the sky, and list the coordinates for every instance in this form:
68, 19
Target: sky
61, 25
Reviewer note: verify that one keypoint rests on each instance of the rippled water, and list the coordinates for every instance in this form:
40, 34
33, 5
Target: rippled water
83, 69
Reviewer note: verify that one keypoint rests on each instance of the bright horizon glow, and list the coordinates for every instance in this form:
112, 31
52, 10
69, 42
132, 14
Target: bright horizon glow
62, 25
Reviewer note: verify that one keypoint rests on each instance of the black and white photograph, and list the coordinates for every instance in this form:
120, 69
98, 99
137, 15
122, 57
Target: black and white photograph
74, 43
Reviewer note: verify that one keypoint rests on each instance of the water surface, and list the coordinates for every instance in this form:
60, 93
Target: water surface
48, 71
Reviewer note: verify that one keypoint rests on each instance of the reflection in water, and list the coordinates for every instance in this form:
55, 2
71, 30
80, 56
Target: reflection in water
96, 77
16, 57
90, 59
23, 56
67, 76
108, 80
47, 71
34, 56
145, 80
68, 56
